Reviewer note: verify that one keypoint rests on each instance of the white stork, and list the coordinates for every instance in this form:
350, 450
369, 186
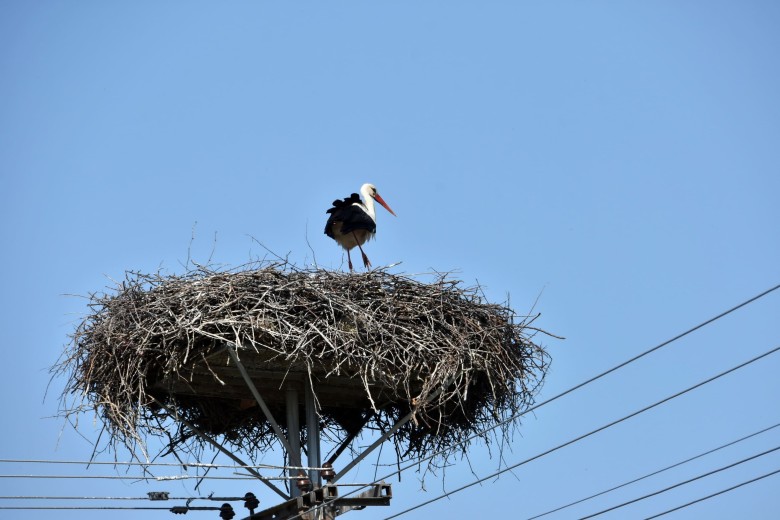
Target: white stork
352, 222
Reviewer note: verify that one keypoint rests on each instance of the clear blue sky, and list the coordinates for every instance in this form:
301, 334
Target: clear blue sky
620, 159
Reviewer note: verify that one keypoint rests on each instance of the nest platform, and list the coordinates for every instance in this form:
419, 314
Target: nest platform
373, 347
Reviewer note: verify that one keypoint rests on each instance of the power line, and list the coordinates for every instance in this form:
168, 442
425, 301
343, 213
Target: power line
181, 509
655, 493
654, 472
715, 494
159, 464
146, 477
27, 497
176, 510
592, 432
87, 508
657, 347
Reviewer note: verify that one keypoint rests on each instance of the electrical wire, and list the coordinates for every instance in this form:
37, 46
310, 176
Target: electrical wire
715, 494
160, 464
649, 351
182, 509
708, 452
86, 508
146, 477
27, 497
592, 432
664, 490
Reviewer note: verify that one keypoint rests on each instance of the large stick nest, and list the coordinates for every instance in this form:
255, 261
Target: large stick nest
374, 347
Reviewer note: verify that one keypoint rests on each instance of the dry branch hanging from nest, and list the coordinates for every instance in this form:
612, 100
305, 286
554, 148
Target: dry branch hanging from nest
374, 347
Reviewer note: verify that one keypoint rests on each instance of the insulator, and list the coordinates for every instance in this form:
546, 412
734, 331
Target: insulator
251, 502
304, 484
226, 512
328, 473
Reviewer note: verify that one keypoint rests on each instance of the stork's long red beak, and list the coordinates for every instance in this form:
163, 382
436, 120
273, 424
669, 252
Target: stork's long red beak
384, 204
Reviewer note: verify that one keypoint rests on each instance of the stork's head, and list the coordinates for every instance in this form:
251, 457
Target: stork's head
369, 190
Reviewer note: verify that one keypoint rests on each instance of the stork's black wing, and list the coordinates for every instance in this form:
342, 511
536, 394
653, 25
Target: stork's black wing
352, 217
339, 203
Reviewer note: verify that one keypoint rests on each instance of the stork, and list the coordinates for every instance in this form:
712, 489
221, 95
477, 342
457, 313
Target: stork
352, 222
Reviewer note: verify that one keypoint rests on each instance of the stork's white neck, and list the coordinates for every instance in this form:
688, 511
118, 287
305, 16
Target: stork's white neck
368, 201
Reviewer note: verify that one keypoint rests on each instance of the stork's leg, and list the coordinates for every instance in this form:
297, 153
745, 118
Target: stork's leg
366, 263
349, 261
